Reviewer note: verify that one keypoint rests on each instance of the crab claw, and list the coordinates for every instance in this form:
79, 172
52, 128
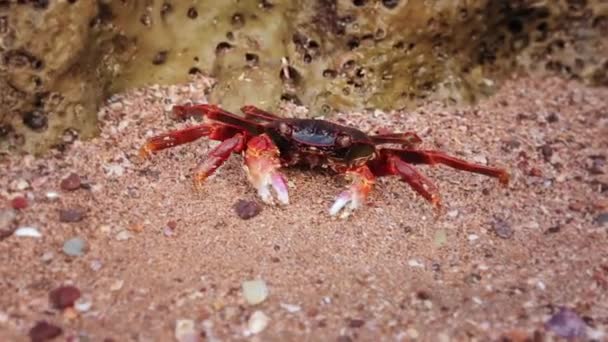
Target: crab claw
354, 197
262, 164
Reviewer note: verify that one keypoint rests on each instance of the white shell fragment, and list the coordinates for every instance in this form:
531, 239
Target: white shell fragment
255, 291
257, 322
28, 232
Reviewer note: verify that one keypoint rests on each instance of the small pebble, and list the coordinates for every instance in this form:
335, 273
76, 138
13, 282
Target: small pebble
19, 203
601, 219
7, 217
44, 331
83, 304
123, 235
413, 333
356, 323
52, 195
415, 263
254, 291
453, 213
64, 296
291, 308
19, 185
47, 256
168, 232
257, 322
28, 232
74, 246
114, 170
567, 324
440, 238
96, 265
71, 215
473, 237
71, 182
502, 228
247, 209
185, 331
136, 227
117, 285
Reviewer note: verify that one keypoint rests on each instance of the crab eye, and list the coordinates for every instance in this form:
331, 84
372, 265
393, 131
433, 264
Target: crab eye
285, 129
344, 140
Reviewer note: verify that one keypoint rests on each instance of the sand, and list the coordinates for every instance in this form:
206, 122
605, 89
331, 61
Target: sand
497, 262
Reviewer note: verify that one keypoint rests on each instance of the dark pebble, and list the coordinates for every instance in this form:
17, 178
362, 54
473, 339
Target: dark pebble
44, 331
71, 182
547, 152
552, 118
64, 296
601, 219
172, 225
247, 209
160, 58
344, 338
71, 215
356, 323
502, 228
19, 203
597, 166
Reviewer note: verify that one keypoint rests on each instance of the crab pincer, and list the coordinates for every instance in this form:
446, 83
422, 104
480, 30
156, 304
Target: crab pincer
348, 200
262, 163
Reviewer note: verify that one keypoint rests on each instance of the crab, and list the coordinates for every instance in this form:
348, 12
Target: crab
269, 142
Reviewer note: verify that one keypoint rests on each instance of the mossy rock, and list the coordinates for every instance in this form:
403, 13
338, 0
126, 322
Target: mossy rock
61, 59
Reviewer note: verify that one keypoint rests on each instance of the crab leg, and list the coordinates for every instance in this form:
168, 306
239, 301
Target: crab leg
393, 165
216, 157
261, 163
436, 157
254, 112
214, 112
186, 135
407, 138
362, 184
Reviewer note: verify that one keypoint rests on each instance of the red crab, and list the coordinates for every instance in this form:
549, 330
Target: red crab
269, 142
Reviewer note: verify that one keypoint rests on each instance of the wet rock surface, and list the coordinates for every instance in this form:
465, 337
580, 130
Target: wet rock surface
330, 55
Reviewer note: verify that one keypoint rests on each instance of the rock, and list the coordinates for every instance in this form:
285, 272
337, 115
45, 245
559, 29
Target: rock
96, 265
71, 215
502, 228
7, 218
83, 304
257, 322
185, 331
123, 235
47, 256
291, 308
71, 182
356, 323
247, 209
254, 291
44, 331
52, 195
64, 296
567, 324
117, 285
601, 219
28, 232
74, 246
19, 203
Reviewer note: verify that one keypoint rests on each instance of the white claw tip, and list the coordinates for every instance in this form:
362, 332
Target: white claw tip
280, 187
340, 203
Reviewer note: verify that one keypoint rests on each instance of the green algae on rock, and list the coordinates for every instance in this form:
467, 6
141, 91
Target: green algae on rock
61, 59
